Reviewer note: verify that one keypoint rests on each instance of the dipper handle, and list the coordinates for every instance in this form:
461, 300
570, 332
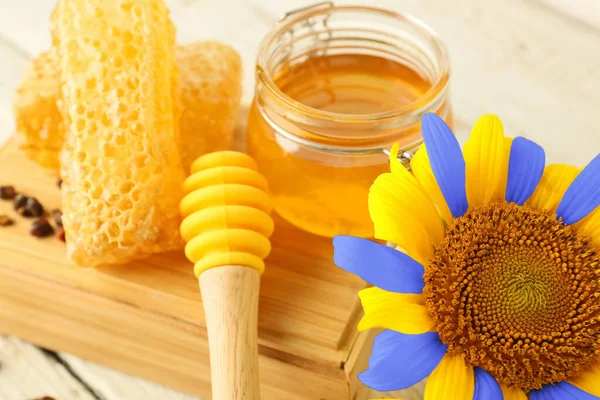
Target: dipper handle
230, 296
227, 226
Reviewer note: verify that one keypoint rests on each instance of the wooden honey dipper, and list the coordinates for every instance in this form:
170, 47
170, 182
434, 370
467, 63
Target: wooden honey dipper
226, 226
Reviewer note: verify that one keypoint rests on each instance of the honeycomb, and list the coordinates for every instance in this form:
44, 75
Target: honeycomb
120, 164
37, 116
210, 76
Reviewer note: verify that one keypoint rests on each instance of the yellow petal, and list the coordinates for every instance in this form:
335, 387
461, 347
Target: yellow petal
589, 381
485, 158
452, 379
403, 214
512, 393
395, 164
408, 194
590, 226
404, 313
501, 188
421, 168
554, 183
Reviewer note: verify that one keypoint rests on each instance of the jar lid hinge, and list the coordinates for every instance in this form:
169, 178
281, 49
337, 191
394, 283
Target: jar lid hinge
405, 157
321, 4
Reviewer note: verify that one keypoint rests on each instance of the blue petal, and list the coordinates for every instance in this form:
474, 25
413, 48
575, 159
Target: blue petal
525, 169
486, 386
447, 162
583, 196
399, 361
561, 391
379, 265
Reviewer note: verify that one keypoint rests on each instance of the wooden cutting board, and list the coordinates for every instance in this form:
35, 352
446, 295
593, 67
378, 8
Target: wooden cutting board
146, 318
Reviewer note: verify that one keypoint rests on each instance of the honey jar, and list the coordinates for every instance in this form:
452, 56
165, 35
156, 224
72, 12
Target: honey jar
336, 87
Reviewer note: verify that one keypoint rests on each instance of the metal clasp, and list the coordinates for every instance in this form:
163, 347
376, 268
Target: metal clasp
318, 27
405, 157
323, 4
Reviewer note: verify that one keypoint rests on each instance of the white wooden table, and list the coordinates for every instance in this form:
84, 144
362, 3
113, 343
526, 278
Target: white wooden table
535, 63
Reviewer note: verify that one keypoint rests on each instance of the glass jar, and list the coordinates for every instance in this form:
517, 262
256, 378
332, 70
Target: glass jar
321, 139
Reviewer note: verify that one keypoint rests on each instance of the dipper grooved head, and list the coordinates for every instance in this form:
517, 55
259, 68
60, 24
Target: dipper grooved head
225, 213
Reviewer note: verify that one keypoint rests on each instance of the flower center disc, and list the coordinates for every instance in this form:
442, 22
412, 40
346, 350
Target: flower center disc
516, 292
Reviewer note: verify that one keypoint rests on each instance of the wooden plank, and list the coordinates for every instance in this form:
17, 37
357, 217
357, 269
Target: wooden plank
142, 343
110, 384
528, 64
415, 392
27, 373
581, 11
306, 302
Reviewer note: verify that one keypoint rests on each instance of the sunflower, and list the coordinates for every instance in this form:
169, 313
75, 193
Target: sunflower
490, 283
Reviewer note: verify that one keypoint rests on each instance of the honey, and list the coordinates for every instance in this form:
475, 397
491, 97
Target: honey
322, 121
352, 84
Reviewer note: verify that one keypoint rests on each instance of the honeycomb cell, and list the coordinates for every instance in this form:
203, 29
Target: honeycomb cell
94, 220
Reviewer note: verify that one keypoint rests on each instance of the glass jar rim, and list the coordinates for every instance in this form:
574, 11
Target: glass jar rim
293, 17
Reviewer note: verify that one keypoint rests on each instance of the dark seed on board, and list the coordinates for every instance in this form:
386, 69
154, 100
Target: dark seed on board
59, 182
57, 215
5, 220
41, 228
19, 201
61, 235
7, 192
36, 207
32, 208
